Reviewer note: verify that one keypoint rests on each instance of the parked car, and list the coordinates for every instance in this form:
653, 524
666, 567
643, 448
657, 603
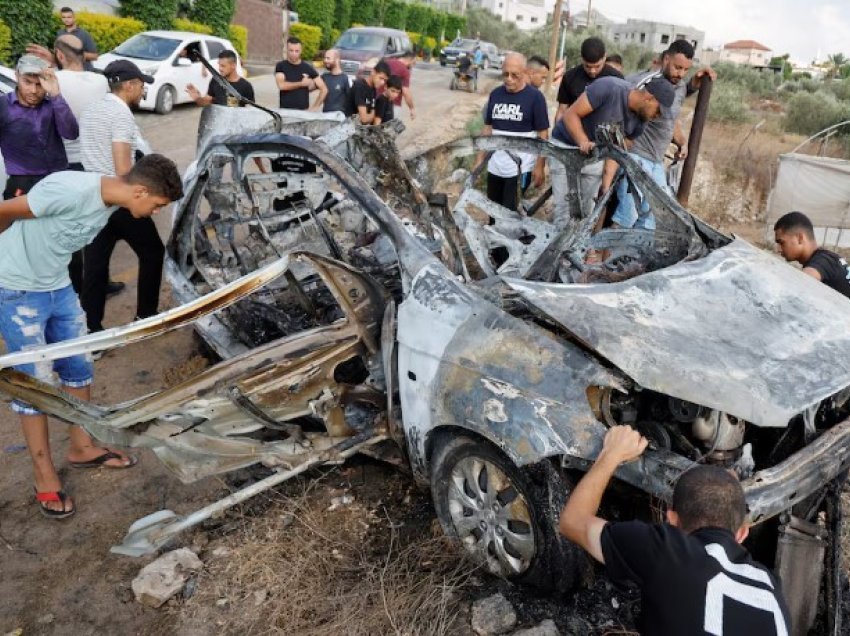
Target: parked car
361, 47
479, 347
165, 56
450, 54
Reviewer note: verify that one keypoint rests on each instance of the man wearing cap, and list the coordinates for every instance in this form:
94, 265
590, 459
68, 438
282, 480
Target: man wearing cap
608, 100
108, 139
34, 119
649, 149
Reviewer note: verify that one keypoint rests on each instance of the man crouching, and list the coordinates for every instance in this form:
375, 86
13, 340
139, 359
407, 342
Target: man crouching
38, 234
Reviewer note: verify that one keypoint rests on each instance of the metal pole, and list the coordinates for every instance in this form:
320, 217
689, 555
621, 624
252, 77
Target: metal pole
563, 43
553, 44
694, 140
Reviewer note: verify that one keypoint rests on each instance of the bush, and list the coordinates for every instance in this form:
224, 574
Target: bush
29, 21
310, 36
809, 113
455, 24
156, 14
342, 15
363, 12
215, 13
752, 81
5, 44
238, 36
395, 14
841, 89
108, 31
418, 17
437, 25
319, 13
182, 24
728, 103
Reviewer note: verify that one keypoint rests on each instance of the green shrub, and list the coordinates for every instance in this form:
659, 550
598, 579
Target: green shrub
841, 89
310, 36
437, 25
5, 44
752, 81
342, 15
395, 14
418, 17
319, 13
728, 103
363, 12
156, 14
455, 24
215, 13
335, 33
29, 21
182, 24
238, 36
809, 113
109, 31
801, 85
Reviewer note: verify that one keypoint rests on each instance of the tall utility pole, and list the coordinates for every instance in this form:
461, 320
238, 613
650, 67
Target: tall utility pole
589, 13
553, 44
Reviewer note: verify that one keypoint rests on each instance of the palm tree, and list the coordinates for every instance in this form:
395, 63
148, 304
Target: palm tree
834, 63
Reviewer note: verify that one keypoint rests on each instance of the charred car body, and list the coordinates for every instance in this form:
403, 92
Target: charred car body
488, 355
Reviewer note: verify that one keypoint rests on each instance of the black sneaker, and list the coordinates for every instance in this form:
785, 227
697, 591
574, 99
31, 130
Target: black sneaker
114, 287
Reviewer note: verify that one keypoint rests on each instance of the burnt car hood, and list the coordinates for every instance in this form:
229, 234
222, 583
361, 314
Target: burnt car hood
738, 330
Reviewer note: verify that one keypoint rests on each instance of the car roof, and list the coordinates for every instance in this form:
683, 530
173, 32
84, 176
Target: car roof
183, 35
379, 30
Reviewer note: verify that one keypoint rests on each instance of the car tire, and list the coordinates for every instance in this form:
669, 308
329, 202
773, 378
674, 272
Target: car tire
165, 100
504, 516
442, 62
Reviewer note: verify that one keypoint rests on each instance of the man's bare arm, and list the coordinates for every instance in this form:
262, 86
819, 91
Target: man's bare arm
122, 157
323, 93
572, 120
407, 96
579, 522
811, 271
364, 115
487, 131
14, 210
282, 84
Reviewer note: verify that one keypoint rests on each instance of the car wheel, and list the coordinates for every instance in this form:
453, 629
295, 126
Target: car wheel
165, 100
442, 62
502, 517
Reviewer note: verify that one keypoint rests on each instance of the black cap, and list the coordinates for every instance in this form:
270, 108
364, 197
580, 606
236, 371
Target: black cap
124, 71
662, 90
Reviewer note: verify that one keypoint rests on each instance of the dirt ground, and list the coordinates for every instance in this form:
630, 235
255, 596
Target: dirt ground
300, 560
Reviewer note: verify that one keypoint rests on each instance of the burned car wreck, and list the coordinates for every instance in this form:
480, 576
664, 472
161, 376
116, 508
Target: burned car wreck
488, 356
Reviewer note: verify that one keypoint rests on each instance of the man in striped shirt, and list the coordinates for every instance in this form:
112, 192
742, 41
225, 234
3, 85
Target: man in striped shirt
108, 136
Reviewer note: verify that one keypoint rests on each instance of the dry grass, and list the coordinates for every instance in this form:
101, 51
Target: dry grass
304, 569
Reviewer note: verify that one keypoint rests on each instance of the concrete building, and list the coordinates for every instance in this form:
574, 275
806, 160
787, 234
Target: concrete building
527, 14
746, 53
655, 36
582, 20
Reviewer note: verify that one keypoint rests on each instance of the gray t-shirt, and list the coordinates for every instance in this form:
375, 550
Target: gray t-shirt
338, 87
609, 98
69, 212
656, 137
89, 45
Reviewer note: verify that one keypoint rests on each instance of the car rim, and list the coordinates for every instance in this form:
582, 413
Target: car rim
491, 517
167, 100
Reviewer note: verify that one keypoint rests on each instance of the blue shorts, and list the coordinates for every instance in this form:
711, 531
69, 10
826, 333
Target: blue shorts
30, 319
627, 214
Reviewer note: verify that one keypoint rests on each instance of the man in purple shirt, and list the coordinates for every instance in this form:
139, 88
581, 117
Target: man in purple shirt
34, 119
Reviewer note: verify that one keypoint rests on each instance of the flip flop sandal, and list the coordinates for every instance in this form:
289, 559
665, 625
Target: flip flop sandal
101, 460
60, 496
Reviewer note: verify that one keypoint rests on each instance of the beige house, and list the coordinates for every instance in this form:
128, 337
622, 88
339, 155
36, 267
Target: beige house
746, 53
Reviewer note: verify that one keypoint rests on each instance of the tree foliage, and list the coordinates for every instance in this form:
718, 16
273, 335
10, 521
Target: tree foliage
395, 14
5, 44
108, 31
318, 13
342, 15
29, 21
215, 13
156, 14
418, 17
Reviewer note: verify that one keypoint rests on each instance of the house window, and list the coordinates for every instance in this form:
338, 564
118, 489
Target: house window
519, 18
643, 37
534, 19
665, 39
694, 42
681, 36
501, 5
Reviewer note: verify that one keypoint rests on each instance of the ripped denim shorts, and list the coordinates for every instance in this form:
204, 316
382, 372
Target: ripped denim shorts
30, 319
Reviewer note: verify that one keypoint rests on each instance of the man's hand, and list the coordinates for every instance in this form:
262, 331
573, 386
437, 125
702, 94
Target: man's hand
696, 80
193, 92
412, 113
586, 147
560, 69
538, 175
682, 152
306, 82
49, 82
622, 444
43, 52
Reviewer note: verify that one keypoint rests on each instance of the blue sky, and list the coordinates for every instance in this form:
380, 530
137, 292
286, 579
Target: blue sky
801, 28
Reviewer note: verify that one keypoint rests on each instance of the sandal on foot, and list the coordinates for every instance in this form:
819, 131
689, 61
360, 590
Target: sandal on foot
101, 460
60, 496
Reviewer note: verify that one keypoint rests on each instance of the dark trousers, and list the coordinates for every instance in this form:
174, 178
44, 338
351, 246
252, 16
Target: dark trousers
502, 190
143, 239
18, 184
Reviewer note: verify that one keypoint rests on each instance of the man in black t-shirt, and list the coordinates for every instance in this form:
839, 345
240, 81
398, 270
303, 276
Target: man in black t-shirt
296, 79
364, 94
593, 66
384, 110
694, 576
216, 93
337, 83
795, 237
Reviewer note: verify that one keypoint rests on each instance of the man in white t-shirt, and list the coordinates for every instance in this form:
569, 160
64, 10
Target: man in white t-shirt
108, 141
